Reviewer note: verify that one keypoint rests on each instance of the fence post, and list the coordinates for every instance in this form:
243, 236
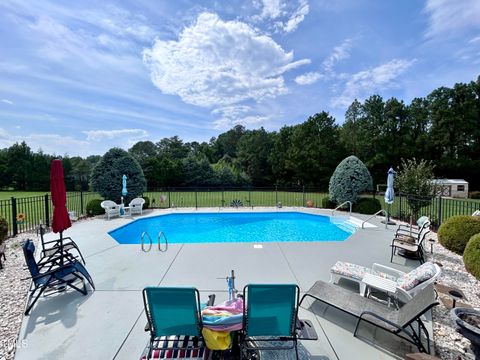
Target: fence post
303, 195
276, 195
196, 200
439, 210
81, 202
47, 215
14, 217
249, 196
169, 195
223, 197
400, 211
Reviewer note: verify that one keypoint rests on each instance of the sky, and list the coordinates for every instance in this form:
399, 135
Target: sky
79, 78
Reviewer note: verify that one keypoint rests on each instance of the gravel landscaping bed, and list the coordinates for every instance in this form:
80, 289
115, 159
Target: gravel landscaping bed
448, 343
13, 292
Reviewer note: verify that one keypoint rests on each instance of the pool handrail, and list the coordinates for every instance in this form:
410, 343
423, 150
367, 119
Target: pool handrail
374, 215
143, 242
159, 238
339, 206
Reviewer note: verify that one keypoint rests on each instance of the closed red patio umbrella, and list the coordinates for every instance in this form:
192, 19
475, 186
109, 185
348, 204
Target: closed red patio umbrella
61, 220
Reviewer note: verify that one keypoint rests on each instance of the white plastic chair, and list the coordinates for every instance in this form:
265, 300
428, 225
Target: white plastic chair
136, 206
111, 208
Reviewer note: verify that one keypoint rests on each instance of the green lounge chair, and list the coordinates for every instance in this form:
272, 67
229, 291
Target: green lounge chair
270, 315
174, 322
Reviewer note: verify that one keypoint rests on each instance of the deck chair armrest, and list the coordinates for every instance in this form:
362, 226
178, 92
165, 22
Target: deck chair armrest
51, 272
408, 232
364, 314
54, 260
387, 270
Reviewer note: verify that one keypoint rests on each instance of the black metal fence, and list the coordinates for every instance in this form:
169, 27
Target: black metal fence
438, 209
25, 214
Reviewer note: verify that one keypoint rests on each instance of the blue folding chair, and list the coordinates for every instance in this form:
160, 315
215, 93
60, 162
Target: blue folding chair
174, 322
270, 315
49, 275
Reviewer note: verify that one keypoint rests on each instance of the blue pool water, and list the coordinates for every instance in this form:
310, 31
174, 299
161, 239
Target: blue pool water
235, 227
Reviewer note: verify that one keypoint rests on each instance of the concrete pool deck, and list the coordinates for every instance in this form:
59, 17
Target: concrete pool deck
108, 323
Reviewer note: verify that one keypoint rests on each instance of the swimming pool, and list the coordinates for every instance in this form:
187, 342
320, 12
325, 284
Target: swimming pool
236, 227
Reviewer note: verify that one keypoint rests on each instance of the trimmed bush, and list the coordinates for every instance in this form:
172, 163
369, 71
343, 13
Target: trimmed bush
367, 206
93, 208
471, 256
456, 231
147, 202
349, 180
106, 178
3, 229
327, 203
475, 195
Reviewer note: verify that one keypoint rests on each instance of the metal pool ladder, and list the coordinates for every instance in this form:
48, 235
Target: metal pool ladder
161, 235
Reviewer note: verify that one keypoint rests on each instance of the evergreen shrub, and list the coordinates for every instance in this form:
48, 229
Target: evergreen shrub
349, 180
457, 230
471, 256
3, 229
367, 206
93, 207
327, 203
106, 177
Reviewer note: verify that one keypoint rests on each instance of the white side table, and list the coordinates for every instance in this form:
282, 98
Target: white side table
380, 283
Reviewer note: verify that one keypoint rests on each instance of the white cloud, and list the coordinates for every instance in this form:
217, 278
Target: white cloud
271, 9
368, 81
285, 15
446, 17
97, 135
297, 17
220, 64
49, 143
251, 120
6, 101
474, 40
339, 53
308, 78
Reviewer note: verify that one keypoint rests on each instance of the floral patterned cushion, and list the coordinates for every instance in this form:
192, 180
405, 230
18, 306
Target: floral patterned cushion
416, 276
354, 271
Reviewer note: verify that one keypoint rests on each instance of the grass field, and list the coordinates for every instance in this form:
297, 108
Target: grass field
32, 204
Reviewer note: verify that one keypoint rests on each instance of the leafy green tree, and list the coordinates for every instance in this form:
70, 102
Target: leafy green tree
106, 177
415, 180
197, 171
173, 148
283, 172
349, 132
226, 143
315, 150
349, 180
253, 151
19, 165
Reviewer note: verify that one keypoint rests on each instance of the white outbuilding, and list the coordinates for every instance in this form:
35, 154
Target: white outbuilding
456, 188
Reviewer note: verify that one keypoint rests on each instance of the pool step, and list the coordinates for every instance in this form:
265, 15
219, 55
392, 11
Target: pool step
344, 223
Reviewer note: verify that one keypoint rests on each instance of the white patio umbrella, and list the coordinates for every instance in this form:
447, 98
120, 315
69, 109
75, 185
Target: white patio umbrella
389, 193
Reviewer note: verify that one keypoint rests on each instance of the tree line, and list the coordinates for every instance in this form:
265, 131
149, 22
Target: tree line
443, 127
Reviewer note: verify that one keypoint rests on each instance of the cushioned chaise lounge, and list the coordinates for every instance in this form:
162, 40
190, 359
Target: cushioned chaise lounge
408, 284
405, 322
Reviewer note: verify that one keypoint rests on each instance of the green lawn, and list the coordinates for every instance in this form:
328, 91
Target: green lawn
32, 204
19, 194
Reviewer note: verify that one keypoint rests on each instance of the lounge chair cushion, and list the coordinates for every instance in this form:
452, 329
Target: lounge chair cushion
416, 276
355, 271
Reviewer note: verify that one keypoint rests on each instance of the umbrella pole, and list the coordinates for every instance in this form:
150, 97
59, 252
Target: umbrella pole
61, 248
